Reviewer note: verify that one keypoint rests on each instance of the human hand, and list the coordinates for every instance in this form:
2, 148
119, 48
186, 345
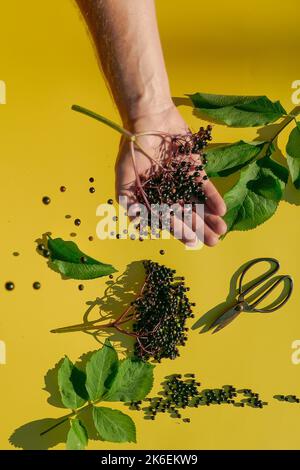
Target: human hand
171, 122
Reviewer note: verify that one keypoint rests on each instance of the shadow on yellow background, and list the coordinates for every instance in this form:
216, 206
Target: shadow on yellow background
48, 64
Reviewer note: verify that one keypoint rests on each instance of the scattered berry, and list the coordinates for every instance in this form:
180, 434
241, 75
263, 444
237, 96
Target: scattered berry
46, 200
63, 189
92, 190
9, 286
91, 179
36, 285
77, 222
81, 287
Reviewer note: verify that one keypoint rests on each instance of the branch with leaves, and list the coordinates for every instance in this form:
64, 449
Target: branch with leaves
256, 195
105, 379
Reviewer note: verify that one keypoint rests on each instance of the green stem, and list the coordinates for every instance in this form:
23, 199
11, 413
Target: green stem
104, 120
286, 123
289, 119
68, 416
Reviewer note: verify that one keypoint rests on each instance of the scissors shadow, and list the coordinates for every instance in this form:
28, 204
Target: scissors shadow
208, 318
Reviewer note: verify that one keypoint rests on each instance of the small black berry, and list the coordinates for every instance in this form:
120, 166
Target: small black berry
9, 286
46, 253
46, 200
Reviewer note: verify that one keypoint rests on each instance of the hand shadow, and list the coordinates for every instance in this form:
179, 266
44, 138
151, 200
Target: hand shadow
209, 317
117, 297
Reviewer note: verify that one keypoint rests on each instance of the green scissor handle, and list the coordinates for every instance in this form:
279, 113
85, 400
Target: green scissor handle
276, 281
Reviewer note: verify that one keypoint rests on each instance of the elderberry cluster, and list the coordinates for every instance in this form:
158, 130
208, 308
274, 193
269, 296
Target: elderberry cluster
179, 393
179, 178
160, 314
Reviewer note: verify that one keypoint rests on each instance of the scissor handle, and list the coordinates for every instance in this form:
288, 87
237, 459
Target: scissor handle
262, 278
278, 281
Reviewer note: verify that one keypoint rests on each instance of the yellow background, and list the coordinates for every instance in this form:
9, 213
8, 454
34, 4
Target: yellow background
48, 64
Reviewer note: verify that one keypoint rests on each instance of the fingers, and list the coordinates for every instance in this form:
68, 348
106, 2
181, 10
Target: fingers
207, 231
215, 223
214, 202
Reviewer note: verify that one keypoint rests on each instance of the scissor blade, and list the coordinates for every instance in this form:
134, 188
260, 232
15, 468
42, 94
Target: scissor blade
224, 319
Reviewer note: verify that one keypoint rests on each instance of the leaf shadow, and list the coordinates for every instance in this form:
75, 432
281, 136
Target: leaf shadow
208, 318
27, 437
51, 386
117, 297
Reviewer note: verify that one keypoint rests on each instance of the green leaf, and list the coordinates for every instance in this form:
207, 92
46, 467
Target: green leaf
69, 383
227, 159
77, 436
255, 197
67, 259
293, 155
133, 381
238, 111
113, 425
100, 370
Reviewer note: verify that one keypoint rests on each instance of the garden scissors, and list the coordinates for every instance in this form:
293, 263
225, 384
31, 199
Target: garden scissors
260, 285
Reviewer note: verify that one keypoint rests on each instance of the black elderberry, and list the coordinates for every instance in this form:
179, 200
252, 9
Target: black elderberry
175, 179
46, 253
77, 222
46, 200
9, 285
36, 285
160, 314
92, 190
